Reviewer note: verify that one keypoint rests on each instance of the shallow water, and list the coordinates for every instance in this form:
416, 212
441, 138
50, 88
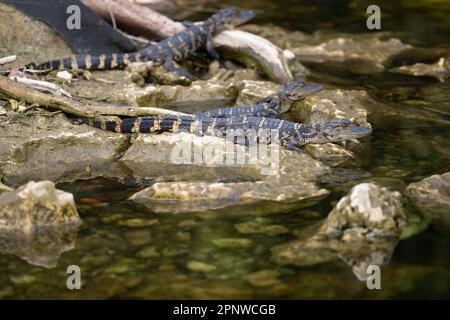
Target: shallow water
119, 260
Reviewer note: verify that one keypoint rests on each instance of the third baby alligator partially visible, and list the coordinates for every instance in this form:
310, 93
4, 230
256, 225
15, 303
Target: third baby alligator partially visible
271, 107
174, 48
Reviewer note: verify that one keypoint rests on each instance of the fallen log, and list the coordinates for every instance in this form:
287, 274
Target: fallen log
245, 47
10, 89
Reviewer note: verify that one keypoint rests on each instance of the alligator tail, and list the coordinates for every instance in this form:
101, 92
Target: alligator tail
150, 124
90, 62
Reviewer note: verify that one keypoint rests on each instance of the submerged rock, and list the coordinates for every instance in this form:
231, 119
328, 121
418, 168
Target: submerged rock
440, 70
37, 204
363, 229
432, 197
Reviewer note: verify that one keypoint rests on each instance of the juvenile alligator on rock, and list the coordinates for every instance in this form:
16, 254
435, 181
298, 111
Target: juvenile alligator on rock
272, 106
174, 48
291, 135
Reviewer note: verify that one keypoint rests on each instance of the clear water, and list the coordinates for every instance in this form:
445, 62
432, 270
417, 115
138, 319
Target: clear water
150, 262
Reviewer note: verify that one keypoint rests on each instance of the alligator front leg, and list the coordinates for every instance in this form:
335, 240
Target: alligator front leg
210, 48
182, 72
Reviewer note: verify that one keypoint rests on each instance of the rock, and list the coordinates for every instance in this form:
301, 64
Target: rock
37, 204
358, 53
332, 154
331, 104
200, 95
367, 211
253, 91
263, 278
362, 229
65, 75
138, 223
200, 266
432, 197
291, 184
440, 70
31, 39
233, 243
260, 226
39, 147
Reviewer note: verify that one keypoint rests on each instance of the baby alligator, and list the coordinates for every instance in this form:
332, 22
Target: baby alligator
174, 48
291, 135
271, 106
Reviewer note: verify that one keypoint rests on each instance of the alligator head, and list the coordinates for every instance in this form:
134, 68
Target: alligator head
331, 131
291, 92
230, 17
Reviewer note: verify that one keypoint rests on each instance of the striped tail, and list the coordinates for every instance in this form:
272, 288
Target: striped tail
89, 62
152, 124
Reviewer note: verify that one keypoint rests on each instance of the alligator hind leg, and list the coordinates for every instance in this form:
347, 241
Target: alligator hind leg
182, 72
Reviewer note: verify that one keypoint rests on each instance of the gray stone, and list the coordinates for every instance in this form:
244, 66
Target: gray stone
440, 70
38, 147
37, 204
432, 197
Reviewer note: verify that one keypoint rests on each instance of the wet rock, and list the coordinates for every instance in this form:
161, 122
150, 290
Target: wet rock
362, 229
200, 266
148, 252
331, 104
37, 204
138, 223
358, 53
368, 211
253, 91
264, 278
440, 70
41, 246
206, 94
332, 154
233, 243
291, 184
432, 197
260, 226
37, 147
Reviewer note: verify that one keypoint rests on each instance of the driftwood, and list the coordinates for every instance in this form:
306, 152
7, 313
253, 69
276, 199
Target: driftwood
245, 47
10, 89
135, 18
8, 59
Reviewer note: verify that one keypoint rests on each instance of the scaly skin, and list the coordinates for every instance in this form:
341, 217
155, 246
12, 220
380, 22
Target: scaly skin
174, 48
271, 106
291, 135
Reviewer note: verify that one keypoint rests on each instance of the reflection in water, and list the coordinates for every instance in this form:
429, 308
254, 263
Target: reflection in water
42, 246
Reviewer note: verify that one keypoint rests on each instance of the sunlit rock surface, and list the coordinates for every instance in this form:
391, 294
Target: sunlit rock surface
291, 181
36, 204
42, 147
432, 197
